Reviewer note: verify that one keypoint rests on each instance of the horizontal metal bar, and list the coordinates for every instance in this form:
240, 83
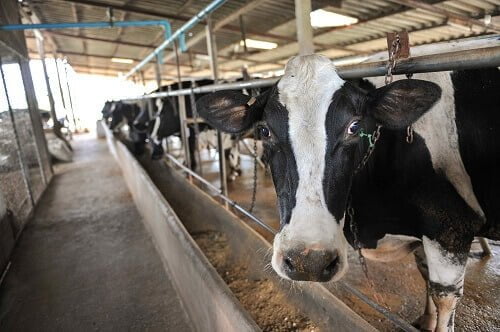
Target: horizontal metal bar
219, 194
468, 59
396, 320
210, 88
177, 34
460, 60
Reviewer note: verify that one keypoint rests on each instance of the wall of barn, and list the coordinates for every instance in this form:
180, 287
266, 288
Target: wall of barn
25, 168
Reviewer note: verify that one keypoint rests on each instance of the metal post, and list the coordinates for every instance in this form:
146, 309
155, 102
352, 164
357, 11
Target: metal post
212, 53
182, 111
143, 79
69, 96
60, 85
36, 122
304, 28
41, 52
158, 71
196, 126
24, 170
243, 34
59, 82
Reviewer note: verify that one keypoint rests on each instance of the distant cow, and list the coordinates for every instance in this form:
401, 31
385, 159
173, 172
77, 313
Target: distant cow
120, 114
163, 121
433, 195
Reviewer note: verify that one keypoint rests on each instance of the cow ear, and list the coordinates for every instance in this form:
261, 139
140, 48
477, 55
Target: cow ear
401, 103
231, 111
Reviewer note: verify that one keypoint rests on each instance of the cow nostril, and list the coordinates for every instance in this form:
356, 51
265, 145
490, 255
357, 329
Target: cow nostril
288, 264
330, 268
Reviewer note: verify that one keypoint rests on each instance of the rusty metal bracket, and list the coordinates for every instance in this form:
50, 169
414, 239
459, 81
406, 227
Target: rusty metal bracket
404, 44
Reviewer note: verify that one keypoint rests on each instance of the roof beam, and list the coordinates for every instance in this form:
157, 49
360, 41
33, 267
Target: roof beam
142, 11
67, 35
131, 9
452, 17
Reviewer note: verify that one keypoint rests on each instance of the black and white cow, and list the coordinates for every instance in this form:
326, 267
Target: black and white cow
432, 196
163, 121
121, 114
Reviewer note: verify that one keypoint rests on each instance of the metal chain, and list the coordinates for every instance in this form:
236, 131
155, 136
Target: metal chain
354, 227
409, 134
409, 129
391, 64
374, 138
362, 261
254, 192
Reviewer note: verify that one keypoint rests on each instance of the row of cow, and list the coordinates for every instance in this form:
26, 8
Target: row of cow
152, 122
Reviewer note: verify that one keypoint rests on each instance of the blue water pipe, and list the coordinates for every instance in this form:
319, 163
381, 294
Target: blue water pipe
111, 24
179, 34
158, 52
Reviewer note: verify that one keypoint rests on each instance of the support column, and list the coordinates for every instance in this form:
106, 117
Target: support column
41, 52
157, 72
42, 151
304, 28
212, 53
182, 112
69, 95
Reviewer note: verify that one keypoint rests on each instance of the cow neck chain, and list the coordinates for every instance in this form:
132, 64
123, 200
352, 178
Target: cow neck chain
373, 138
254, 190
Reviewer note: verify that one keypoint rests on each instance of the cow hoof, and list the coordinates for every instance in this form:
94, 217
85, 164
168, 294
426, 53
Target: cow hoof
426, 323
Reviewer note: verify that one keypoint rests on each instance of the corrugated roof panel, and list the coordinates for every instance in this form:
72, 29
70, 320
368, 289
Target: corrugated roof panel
271, 17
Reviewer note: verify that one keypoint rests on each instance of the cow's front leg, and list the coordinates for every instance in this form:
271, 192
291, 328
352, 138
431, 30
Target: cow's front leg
234, 162
428, 320
446, 272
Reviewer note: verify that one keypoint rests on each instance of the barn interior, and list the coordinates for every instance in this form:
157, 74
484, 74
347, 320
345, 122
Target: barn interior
93, 237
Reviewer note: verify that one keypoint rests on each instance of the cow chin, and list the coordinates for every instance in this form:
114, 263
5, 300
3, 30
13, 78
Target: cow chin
300, 257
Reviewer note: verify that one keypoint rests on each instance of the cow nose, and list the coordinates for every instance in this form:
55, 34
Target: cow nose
311, 265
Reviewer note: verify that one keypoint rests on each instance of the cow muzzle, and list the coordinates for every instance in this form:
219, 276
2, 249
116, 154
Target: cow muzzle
310, 264
309, 260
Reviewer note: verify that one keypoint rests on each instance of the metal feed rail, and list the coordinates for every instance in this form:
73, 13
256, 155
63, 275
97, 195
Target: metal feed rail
460, 60
218, 192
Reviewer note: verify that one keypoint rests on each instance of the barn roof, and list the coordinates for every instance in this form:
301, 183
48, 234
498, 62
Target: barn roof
91, 50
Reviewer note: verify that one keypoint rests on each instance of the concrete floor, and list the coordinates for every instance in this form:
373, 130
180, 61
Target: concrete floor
399, 283
85, 261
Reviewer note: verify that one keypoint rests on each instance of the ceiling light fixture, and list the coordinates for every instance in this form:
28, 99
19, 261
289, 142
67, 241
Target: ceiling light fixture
264, 45
321, 19
122, 60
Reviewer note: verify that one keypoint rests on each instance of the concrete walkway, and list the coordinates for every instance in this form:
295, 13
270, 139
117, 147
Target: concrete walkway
85, 261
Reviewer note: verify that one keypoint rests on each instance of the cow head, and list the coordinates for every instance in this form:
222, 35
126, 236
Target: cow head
310, 123
117, 115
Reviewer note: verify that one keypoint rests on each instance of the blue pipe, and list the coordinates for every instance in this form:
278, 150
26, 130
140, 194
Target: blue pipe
178, 34
76, 25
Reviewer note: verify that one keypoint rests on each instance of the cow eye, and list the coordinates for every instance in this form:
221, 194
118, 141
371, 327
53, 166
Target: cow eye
353, 128
263, 132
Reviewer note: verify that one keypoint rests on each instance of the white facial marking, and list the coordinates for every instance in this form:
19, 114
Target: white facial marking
306, 91
438, 128
443, 269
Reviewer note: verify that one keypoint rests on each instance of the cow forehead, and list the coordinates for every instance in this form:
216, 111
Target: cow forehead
307, 78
